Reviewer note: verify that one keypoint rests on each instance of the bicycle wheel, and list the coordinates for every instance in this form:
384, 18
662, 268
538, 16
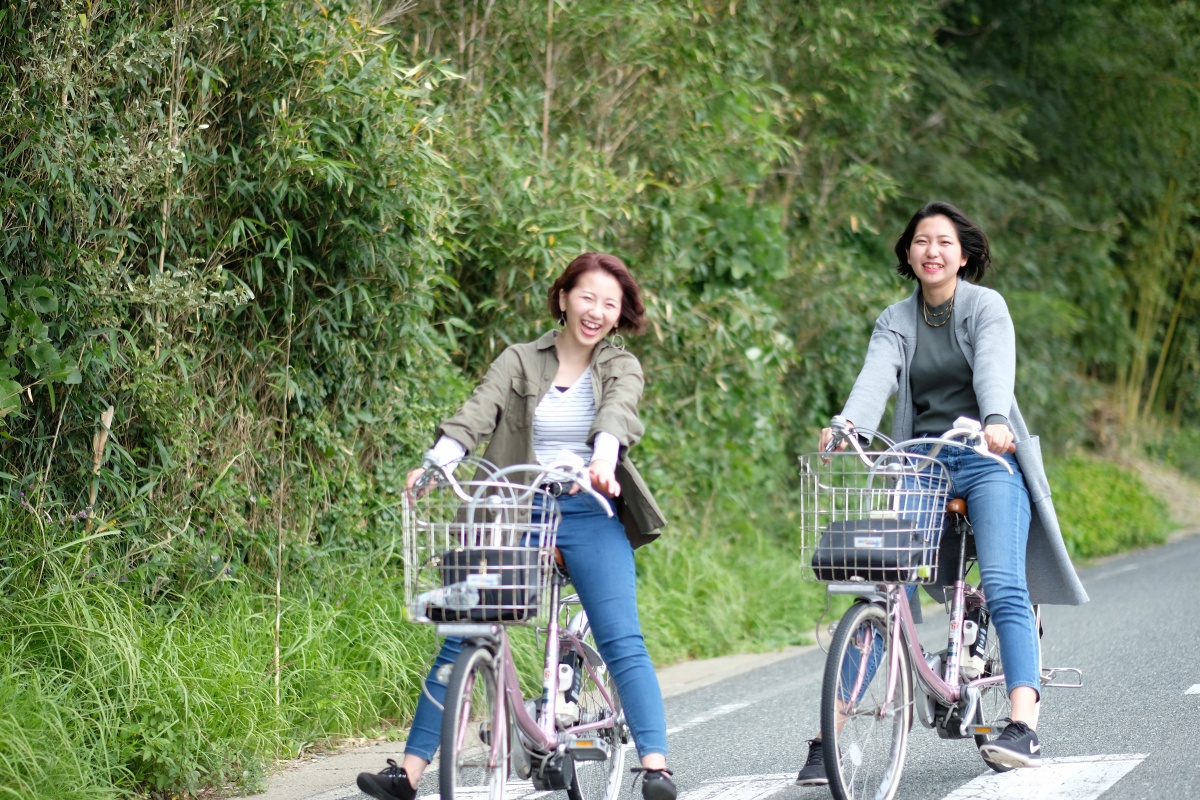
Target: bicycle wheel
868, 730
599, 779
475, 745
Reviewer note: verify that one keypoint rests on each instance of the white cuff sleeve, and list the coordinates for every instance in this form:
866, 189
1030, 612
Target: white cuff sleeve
606, 447
446, 451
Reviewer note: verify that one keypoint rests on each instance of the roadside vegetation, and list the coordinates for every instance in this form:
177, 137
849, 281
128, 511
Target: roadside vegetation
253, 250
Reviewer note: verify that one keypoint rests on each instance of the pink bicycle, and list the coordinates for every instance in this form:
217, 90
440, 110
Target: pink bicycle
479, 558
872, 526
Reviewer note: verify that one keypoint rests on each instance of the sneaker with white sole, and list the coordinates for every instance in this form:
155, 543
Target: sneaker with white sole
1016, 747
813, 771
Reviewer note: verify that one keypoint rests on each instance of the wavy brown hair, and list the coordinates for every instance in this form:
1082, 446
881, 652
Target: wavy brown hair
633, 312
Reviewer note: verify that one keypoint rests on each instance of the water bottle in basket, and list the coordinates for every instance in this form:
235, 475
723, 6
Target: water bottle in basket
459, 597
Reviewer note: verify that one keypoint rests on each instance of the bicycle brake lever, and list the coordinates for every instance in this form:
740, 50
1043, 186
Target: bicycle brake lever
982, 449
573, 466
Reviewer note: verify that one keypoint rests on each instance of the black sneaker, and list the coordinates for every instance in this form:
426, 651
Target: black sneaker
656, 784
813, 771
389, 784
1016, 747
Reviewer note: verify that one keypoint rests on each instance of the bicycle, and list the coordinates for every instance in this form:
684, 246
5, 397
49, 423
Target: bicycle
480, 557
872, 524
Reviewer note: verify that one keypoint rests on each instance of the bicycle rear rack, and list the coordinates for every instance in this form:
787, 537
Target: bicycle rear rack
1051, 676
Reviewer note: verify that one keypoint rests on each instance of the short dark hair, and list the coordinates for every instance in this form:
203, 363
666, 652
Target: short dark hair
633, 313
972, 238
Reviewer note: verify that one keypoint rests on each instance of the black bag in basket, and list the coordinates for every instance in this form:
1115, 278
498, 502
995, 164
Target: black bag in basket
873, 550
505, 578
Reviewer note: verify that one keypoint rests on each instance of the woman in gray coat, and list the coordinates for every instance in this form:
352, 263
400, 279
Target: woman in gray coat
949, 350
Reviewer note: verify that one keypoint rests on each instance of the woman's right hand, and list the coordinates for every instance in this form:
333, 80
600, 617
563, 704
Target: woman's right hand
826, 438
413, 477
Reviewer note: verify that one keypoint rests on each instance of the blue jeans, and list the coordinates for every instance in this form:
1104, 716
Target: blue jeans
999, 507
600, 561
998, 504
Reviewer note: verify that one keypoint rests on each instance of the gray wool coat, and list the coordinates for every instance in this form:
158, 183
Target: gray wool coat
984, 331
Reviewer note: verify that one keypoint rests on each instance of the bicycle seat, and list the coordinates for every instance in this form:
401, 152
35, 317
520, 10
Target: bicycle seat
957, 506
560, 566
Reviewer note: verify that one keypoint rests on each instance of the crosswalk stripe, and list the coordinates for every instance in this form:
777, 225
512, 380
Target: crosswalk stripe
743, 787
513, 790
1194, 690
1078, 778
1075, 778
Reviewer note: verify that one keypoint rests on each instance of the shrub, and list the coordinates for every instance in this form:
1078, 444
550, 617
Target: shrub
1104, 509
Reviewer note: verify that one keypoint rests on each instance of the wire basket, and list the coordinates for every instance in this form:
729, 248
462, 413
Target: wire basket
487, 558
874, 520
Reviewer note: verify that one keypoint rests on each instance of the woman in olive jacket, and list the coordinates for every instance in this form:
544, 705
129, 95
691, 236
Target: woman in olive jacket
570, 389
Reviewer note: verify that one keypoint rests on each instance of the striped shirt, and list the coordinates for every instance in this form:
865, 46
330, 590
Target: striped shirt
560, 422
563, 419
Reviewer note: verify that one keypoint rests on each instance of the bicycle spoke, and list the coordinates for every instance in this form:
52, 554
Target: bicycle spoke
474, 731
865, 729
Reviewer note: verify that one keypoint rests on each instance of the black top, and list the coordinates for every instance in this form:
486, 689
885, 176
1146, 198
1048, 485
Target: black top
940, 377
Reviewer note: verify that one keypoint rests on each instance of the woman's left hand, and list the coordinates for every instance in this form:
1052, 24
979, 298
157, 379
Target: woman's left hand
999, 439
604, 479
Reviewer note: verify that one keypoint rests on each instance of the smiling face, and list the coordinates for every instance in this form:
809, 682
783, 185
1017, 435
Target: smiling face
592, 307
936, 256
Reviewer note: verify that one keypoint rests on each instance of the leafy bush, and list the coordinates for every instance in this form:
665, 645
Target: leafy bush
1104, 509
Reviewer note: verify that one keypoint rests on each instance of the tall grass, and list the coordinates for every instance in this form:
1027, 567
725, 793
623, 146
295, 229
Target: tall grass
726, 580
109, 690
106, 694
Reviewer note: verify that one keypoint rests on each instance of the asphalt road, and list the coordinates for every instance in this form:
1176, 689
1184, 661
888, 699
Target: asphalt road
1137, 642
1132, 731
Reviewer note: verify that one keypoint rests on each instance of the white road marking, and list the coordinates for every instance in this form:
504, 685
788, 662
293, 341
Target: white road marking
1075, 778
1078, 778
1194, 690
1117, 571
706, 717
513, 790
741, 787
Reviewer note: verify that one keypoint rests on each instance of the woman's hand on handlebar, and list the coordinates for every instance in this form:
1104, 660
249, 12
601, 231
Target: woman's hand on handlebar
414, 479
999, 439
604, 479
826, 438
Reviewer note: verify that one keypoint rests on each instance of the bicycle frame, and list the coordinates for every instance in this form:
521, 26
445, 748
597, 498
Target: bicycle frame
542, 731
948, 691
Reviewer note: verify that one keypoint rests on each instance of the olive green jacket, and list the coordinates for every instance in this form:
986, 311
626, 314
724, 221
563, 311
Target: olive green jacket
500, 411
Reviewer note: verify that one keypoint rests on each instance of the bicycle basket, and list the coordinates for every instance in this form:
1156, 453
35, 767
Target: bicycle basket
488, 558
878, 520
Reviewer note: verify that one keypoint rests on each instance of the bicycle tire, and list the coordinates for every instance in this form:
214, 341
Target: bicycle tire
866, 759
601, 779
472, 756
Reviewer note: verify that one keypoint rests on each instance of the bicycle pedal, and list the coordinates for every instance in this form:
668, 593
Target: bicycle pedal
589, 748
1052, 677
984, 730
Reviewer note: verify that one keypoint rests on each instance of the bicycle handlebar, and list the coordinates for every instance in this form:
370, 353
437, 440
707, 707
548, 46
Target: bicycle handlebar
966, 433
568, 467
